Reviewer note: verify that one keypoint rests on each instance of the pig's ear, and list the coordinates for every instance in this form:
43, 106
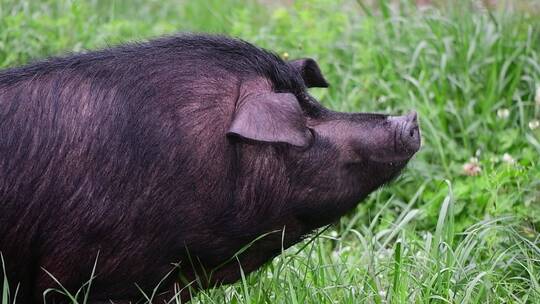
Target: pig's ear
310, 71
270, 117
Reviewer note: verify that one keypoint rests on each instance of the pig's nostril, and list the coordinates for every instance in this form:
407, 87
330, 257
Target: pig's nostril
410, 135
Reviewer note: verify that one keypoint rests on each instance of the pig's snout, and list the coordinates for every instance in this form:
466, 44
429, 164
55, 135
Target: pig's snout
389, 138
408, 137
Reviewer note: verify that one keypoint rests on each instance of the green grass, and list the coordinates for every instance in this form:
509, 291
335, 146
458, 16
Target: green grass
462, 69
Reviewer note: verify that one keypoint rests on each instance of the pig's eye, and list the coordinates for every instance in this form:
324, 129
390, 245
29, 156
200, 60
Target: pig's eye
373, 116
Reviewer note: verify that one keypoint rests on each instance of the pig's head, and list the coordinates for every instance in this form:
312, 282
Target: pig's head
317, 163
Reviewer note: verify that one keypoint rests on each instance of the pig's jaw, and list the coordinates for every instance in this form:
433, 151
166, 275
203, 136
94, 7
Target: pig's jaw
371, 175
390, 160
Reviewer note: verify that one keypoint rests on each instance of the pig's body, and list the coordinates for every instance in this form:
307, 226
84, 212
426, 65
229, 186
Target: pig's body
126, 158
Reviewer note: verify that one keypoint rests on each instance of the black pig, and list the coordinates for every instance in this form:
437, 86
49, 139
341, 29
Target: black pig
161, 160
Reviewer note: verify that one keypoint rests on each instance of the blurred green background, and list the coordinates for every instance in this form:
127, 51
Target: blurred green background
461, 224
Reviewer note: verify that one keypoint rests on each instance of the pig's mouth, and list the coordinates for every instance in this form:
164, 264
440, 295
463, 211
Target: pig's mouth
390, 160
390, 169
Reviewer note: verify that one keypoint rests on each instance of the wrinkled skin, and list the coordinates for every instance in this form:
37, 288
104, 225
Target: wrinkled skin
162, 160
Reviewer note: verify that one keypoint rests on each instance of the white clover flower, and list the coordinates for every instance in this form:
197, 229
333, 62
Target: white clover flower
384, 253
503, 113
285, 55
507, 158
346, 249
472, 168
534, 124
335, 255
